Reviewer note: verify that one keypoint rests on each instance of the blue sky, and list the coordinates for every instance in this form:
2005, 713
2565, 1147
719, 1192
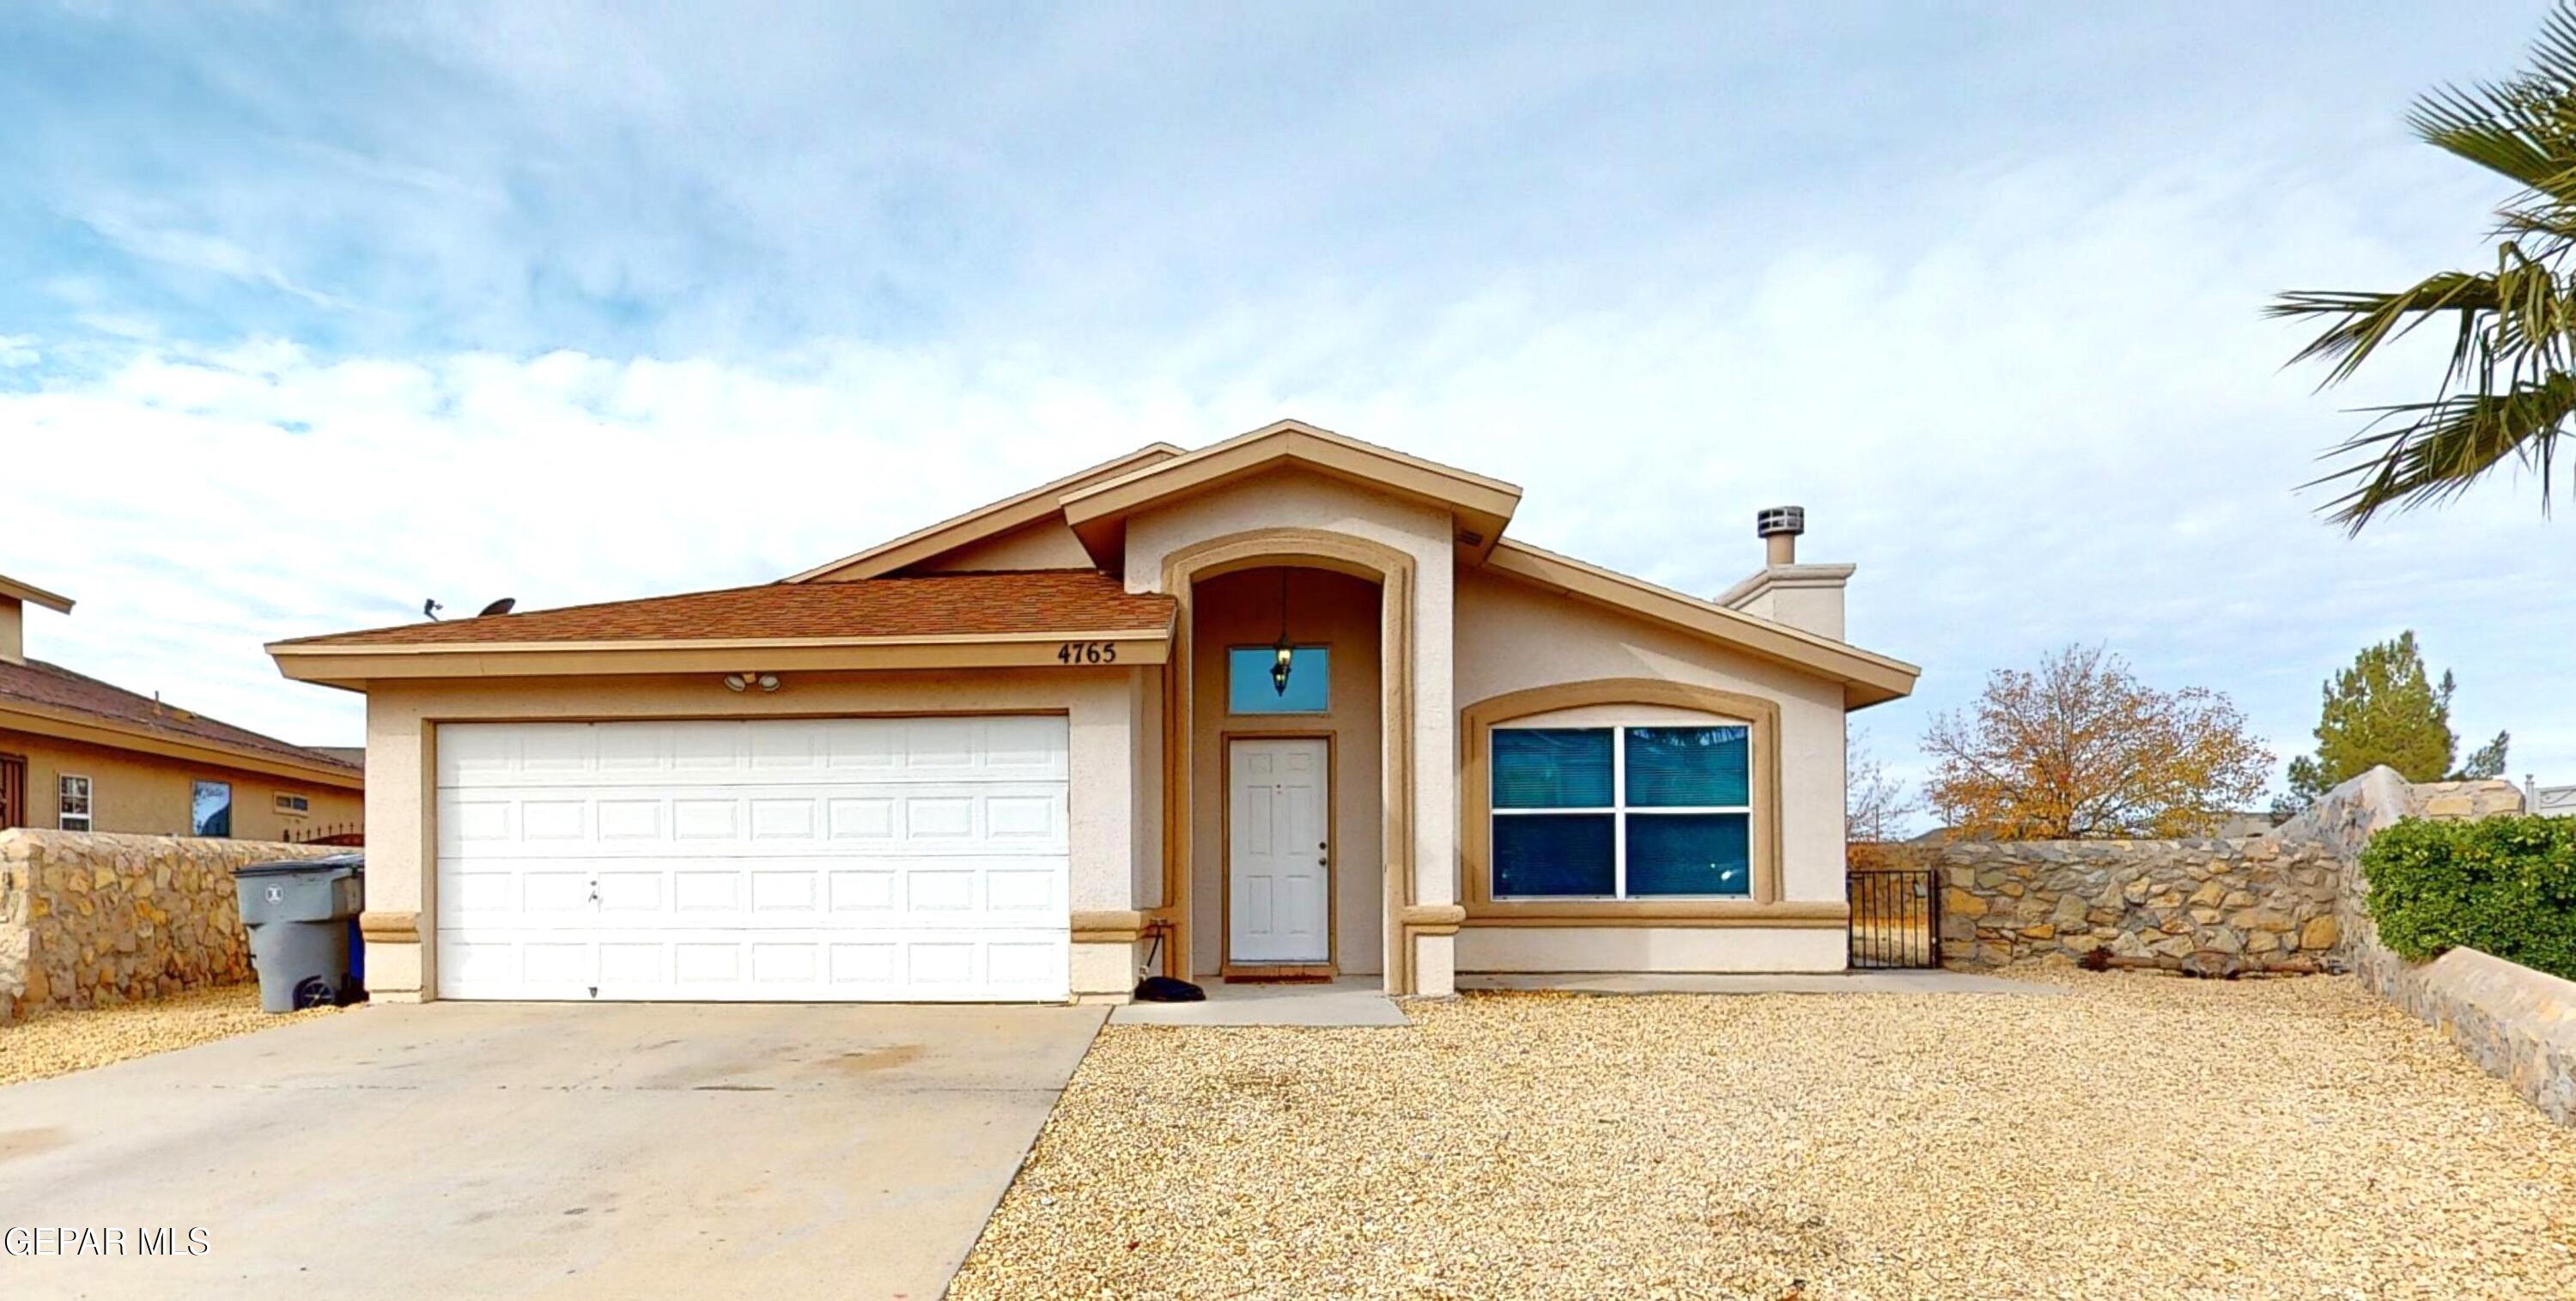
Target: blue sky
378, 303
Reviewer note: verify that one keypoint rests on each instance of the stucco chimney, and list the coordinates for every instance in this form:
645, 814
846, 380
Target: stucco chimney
1806, 597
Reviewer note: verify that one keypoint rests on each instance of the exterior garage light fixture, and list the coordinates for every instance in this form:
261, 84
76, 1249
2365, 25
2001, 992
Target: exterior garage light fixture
737, 682
1282, 655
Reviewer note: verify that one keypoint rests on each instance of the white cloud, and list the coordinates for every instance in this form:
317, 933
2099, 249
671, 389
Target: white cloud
2061, 423
1980, 290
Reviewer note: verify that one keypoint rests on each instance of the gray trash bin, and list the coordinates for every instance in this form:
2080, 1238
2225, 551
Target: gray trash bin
298, 914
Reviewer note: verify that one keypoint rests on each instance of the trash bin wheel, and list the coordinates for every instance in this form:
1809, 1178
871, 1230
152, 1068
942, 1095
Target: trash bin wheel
314, 991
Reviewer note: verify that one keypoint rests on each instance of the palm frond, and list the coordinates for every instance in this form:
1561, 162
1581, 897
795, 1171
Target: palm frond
2433, 451
2367, 320
2508, 387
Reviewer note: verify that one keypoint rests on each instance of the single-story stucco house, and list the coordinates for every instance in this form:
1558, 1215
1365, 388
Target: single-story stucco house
79, 754
1284, 706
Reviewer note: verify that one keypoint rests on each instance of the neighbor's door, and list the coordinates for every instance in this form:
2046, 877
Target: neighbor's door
1278, 856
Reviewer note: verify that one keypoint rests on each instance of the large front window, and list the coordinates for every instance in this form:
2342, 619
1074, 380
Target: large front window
1622, 812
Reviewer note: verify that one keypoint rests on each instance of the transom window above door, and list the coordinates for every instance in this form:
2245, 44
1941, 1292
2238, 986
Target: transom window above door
1250, 688
1622, 812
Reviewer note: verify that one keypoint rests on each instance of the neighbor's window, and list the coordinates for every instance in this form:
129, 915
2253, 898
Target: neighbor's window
71, 803
1622, 812
293, 806
1249, 690
211, 809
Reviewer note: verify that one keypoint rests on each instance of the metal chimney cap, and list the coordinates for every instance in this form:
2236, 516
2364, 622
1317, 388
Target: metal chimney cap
1789, 520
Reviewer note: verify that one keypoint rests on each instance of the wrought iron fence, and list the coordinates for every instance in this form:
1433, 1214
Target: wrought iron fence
1895, 917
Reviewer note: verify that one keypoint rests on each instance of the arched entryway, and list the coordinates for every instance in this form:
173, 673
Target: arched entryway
1230, 591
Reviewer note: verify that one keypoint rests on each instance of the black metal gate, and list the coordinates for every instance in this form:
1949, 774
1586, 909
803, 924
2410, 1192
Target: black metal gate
1895, 917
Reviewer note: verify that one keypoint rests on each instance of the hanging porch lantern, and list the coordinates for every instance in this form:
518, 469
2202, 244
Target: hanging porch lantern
1282, 654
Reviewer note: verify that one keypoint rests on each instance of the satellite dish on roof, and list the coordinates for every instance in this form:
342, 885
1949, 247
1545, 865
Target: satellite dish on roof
430, 608
501, 606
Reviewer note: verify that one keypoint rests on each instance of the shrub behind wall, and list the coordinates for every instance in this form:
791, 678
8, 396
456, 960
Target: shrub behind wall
2502, 886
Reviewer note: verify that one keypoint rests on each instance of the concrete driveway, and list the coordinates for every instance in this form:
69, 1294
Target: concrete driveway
537, 1150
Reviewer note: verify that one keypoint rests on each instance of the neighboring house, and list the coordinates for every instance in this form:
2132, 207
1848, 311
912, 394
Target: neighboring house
77, 754
2548, 801
1291, 704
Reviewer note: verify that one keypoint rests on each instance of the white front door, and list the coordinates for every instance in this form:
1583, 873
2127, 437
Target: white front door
779, 859
1278, 876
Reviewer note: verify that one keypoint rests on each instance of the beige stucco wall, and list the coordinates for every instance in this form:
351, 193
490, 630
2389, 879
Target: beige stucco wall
1047, 544
1329, 609
1512, 636
402, 716
1650, 948
148, 795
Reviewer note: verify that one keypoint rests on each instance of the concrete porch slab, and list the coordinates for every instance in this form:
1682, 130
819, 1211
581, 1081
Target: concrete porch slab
1349, 1001
1829, 982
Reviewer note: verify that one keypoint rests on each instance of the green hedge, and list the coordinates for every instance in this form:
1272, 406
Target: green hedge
2502, 886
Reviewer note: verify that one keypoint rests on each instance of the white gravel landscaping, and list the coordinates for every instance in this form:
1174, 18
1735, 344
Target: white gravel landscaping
58, 1043
2145, 1136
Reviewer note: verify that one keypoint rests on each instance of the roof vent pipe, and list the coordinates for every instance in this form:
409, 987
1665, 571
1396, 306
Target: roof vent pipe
1779, 528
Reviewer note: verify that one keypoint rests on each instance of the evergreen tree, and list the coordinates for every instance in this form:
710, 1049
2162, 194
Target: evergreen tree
2387, 709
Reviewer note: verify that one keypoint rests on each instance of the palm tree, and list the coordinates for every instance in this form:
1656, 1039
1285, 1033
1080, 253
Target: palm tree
2507, 391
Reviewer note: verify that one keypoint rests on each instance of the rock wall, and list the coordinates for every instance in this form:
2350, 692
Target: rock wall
96, 920
2214, 906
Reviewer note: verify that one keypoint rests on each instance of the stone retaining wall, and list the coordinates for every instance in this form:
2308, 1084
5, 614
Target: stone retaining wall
2213, 906
2516, 1023
90, 920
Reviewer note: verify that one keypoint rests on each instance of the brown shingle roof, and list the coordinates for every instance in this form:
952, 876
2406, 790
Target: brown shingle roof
51, 686
1070, 601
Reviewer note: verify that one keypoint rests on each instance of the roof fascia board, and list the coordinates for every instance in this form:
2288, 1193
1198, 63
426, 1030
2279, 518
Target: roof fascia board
1017, 511
344, 665
33, 595
1868, 679
93, 730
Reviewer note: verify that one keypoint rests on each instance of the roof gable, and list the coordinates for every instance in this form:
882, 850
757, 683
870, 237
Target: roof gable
1867, 678
1479, 507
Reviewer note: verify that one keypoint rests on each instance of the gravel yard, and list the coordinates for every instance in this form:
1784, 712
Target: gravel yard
2145, 1136
59, 1043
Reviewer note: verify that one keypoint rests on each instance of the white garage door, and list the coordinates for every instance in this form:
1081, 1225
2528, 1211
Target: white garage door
791, 859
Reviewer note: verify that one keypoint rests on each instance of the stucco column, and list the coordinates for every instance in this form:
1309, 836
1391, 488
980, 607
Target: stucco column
1103, 825
1435, 769
400, 795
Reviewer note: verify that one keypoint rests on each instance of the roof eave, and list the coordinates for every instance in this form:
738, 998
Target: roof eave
352, 665
100, 730
12, 589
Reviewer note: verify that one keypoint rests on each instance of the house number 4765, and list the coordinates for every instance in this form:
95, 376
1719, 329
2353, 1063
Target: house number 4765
1087, 652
